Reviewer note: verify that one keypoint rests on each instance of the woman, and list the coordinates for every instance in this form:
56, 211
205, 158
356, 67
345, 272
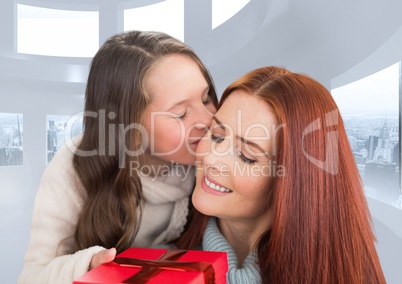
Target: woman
149, 100
277, 172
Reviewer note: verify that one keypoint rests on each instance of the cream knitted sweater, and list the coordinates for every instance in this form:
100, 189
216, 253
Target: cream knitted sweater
59, 200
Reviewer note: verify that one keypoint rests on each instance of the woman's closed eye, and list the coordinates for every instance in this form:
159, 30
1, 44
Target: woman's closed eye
217, 139
245, 159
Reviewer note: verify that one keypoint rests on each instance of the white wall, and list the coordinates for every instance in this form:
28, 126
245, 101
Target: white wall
18, 184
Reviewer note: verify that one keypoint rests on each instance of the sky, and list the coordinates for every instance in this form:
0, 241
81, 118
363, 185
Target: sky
377, 94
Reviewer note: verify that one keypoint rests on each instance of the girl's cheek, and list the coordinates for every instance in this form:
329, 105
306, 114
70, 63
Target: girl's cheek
212, 109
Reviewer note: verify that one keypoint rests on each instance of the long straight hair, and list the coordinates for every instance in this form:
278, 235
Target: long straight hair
115, 100
322, 229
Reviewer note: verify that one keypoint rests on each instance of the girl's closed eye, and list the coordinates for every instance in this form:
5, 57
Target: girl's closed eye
207, 101
181, 117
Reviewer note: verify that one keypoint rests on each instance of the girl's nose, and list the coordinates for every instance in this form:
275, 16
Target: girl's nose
204, 118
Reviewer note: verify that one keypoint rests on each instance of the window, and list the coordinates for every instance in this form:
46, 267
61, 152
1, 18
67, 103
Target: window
223, 10
370, 109
166, 16
60, 129
51, 32
11, 139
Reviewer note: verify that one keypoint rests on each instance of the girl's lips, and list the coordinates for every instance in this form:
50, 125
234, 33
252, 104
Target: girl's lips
210, 190
196, 141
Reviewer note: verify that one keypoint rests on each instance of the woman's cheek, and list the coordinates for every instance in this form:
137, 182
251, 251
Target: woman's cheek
203, 147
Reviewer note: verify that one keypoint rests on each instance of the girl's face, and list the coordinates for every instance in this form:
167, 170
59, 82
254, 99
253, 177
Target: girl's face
180, 111
234, 166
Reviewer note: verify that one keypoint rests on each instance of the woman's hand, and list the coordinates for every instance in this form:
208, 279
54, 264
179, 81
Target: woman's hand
101, 257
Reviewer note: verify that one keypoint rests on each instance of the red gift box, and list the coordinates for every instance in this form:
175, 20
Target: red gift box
145, 265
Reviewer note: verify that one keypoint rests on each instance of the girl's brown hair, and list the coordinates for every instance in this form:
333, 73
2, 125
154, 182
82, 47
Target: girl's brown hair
321, 230
115, 99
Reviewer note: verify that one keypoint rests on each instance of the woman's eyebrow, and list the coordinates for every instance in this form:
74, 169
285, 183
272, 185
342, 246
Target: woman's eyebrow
242, 139
219, 123
252, 144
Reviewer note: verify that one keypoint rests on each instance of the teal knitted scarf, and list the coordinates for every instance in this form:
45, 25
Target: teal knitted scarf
213, 240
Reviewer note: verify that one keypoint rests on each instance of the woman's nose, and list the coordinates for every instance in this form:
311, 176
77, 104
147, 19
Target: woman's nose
214, 156
215, 164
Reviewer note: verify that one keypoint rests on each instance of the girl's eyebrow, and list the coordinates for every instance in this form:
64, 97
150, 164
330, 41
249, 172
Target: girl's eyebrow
179, 103
182, 102
206, 90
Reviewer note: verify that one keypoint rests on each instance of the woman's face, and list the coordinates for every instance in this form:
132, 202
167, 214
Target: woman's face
234, 165
180, 111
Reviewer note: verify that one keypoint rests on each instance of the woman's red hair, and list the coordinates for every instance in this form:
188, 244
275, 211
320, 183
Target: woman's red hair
322, 229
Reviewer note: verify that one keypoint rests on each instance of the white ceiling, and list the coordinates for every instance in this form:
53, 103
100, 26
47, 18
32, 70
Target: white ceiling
324, 39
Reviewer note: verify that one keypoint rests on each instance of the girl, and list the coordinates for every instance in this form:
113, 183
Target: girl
126, 181
277, 172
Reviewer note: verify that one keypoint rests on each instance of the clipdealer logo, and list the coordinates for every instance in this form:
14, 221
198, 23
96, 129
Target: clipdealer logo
331, 162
